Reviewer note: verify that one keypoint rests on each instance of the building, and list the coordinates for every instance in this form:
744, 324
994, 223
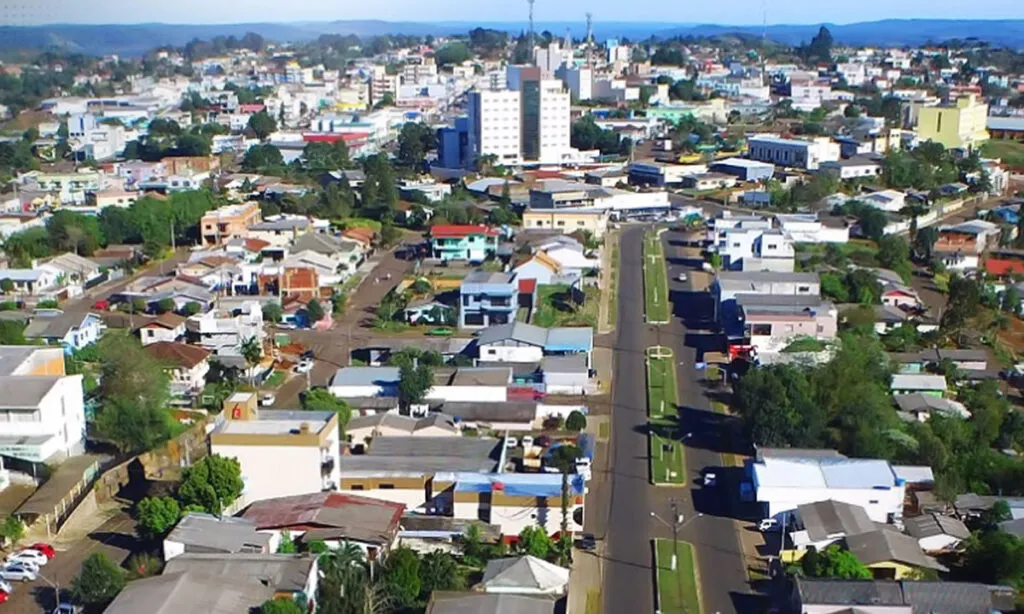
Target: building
494, 126
519, 342
852, 168
186, 364
936, 532
263, 441
568, 220
959, 125
808, 228
72, 331
805, 154
362, 428
229, 222
333, 518
487, 603
174, 592
891, 555
42, 411
768, 324
782, 483
293, 576
709, 181
727, 285
823, 523
755, 249
486, 299
167, 326
960, 246
224, 331
471, 243
918, 383
524, 575
663, 174
743, 169
815, 596
205, 533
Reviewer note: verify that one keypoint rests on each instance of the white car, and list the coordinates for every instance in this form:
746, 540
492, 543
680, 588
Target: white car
710, 479
34, 557
267, 399
681, 277
304, 367
20, 573
527, 441
511, 442
6, 587
67, 608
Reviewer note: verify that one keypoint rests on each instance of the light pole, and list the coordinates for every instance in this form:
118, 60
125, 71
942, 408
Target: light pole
676, 525
55, 586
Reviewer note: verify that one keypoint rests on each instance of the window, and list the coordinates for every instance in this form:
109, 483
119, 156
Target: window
873, 502
803, 289
357, 487
761, 330
386, 486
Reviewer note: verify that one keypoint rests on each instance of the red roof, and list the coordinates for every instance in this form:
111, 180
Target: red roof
334, 137
251, 108
363, 518
449, 231
1000, 267
177, 354
527, 286
256, 245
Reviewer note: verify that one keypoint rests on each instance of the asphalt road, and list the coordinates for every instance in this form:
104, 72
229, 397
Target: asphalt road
628, 576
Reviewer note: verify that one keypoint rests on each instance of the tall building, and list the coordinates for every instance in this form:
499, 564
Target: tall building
580, 81
545, 121
494, 125
959, 125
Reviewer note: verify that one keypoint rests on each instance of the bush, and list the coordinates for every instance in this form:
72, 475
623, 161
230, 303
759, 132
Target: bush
48, 304
156, 516
576, 421
98, 581
554, 423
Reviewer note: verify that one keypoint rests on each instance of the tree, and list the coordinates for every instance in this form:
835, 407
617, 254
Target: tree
252, 352
872, 223
320, 399
262, 125
12, 332
263, 158
133, 392
287, 544
452, 53
314, 311
440, 571
576, 421
894, 254
924, 243
156, 516
534, 541
1011, 301
272, 312
413, 384
414, 141
778, 408
6, 286
12, 530
964, 300
994, 557
402, 576
98, 581
165, 305
834, 562
212, 483
143, 565
285, 605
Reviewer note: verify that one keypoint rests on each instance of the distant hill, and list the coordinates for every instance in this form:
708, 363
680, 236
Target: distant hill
135, 39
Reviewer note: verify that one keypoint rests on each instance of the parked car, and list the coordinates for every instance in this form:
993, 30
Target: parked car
45, 548
267, 399
67, 608
710, 479
4, 595
527, 441
511, 442
681, 277
102, 305
17, 573
28, 555
6, 587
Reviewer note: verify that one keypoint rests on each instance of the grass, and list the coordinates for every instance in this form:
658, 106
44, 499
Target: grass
805, 344
613, 285
1010, 152
593, 601
668, 462
655, 280
677, 590
941, 282
275, 379
554, 307
604, 430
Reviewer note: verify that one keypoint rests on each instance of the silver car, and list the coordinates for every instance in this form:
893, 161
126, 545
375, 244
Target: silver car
17, 573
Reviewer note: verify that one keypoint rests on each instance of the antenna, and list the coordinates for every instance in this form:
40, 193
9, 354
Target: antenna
530, 2
764, 41
590, 38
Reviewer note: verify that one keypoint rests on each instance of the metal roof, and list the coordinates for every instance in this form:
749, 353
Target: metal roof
176, 592
489, 603
215, 533
524, 573
918, 381
813, 473
930, 525
365, 376
890, 545
829, 518
570, 339
26, 391
421, 455
359, 518
281, 572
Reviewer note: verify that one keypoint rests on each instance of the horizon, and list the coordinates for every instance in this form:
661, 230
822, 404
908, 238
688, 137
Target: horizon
789, 13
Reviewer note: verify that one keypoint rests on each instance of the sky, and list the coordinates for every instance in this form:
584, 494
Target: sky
735, 12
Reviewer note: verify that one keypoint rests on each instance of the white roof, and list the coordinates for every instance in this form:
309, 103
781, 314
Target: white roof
743, 163
823, 473
918, 381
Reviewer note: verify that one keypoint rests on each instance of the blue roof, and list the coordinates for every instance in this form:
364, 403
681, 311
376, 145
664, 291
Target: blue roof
575, 339
365, 376
520, 484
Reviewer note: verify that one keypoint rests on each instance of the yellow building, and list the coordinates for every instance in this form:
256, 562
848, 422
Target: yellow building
956, 126
569, 221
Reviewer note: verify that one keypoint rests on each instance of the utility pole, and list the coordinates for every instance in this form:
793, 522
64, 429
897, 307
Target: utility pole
590, 40
531, 39
676, 525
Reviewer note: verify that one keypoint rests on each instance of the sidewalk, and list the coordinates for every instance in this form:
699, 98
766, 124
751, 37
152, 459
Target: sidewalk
585, 580
609, 284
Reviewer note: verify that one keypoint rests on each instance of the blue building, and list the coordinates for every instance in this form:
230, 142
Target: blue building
744, 169
486, 299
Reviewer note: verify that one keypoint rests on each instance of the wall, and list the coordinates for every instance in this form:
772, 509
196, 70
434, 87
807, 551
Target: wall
482, 394
787, 499
511, 353
275, 471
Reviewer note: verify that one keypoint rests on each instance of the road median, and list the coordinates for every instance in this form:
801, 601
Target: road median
667, 461
656, 303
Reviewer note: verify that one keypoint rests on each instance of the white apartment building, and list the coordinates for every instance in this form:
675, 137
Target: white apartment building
805, 154
553, 126
42, 413
281, 452
495, 124
223, 331
756, 249
579, 81
806, 228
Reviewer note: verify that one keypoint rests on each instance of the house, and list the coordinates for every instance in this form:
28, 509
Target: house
263, 441
901, 296
569, 220
817, 596
823, 523
805, 154
427, 310
782, 483
856, 167
29, 282
333, 518
228, 222
524, 575
936, 532
755, 249
923, 383
890, 201
173, 592
75, 272
224, 331
566, 374
808, 228
167, 326
442, 602
280, 230
709, 181
186, 364
197, 532
151, 290
72, 331
541, 268
292, 576
471, 243
769, 323
920, 407
363, 382
487, 298
347, 253
891, 555
960, 246
744, 169
727, 285
518, 342
435, 424
42, 409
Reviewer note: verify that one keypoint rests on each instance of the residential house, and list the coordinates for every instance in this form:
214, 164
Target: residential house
348, 253
472, 243
755, 249
167, 327
891, 555
823, 523
569, 220
805, 154
923, 383
524, 575
856, 167
727, 285
486, 299
442, 602
363, 382
704, 182
782, 483
426, 310
543, 269
768, 323
73, 331
293, 576
361, 428
151, 290
960, 246
936, 532
301, 281
280, 230
920, 407
820, 596
901, 296
890, 201
42, 409
808, 228
246, 249
336, 519
186, 364
330, 270
190, 592
263, 441
229, 222
224, 331
74, 273
197, 532
32, 282
518, 342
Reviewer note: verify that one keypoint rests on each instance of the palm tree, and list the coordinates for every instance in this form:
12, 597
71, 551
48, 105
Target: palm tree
252, 352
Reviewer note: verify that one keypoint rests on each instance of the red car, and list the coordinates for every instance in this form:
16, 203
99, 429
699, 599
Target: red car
3, 596
102, 305
46, 549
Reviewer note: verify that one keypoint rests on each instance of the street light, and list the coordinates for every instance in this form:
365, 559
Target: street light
54, 586
677, 524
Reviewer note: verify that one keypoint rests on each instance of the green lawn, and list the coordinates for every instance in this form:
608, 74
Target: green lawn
678, 592
554, 307
275, 379
668, 463
1010, 152
613, 287
655, 280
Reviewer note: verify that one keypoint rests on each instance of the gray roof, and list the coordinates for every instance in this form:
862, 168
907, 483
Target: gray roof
177, 592
481, 376
365, 376
25, 391
281, 572
514, 331
574, 363
412, 523
488, 277
930, 525
831, 518
321, 244
523, 572
55, 327
284, 224
949, 597
12, 356
509, 411
889, 545
489, 603
918, 402
763, 453
763, 276
848, 592
1013, 527
925, 597
420, 455
208, 533
405, 423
